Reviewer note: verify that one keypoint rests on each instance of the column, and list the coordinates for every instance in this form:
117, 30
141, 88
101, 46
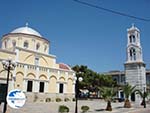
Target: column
11, 86
25, 71
37, 73
57, 90
119, 94
20, 43
48, 73
24, 85
17, 55
46, 87
65, 88
73, 88
33, 48
35, 86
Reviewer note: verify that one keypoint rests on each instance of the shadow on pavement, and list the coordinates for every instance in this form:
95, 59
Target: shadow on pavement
119, 107
99, 109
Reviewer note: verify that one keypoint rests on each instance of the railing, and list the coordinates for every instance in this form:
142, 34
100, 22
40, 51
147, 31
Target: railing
41, 68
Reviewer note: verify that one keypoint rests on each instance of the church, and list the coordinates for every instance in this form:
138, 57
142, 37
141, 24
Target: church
37, 73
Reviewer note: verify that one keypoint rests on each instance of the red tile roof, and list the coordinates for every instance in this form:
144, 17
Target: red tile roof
64, 66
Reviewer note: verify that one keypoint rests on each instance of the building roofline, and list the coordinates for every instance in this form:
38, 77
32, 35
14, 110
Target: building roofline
26, 35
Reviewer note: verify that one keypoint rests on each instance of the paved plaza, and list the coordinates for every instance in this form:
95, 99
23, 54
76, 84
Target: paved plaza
96, 106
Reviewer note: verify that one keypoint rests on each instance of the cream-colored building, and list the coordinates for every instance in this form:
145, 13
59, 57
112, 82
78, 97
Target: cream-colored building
37, 71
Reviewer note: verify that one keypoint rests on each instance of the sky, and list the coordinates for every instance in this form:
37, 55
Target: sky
80, 34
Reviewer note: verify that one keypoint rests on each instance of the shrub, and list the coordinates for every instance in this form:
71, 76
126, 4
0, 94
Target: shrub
35, 98
63, 109
66, 99
73, 99
84, 108
48, 100
58, 99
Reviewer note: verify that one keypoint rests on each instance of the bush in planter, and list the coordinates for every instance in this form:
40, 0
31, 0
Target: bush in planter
66, 99
63, 109
48, 100
73, 99
35, 98
58, 100
84, 108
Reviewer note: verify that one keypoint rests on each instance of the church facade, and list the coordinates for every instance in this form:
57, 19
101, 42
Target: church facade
37, 71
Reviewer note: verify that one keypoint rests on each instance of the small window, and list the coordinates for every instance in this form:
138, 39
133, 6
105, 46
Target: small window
36, 61
25, 44
45, 48
14, 43
37, 46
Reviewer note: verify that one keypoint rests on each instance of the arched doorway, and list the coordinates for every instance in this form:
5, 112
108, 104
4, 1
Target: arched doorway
133, 97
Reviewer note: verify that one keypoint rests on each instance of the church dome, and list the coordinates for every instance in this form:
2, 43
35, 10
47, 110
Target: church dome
26, 30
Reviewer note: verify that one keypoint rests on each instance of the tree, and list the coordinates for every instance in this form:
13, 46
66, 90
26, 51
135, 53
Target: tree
128, 90
143, 95
107, 94
92, 80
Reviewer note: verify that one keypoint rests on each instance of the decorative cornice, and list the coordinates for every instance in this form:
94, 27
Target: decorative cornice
7, 51
36, 52
6, 35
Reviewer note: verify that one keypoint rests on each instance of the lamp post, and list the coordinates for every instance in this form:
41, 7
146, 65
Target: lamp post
144, 98
78, 79
7, 65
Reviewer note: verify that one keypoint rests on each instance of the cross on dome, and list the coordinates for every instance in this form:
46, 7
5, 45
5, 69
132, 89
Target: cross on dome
133, 25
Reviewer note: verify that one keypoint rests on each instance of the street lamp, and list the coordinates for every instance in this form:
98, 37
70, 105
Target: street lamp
144, 98
78, 79
7, 65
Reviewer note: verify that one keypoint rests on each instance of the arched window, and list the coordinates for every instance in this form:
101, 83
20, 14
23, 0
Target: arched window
5, 44
37, 46
132, 54
26, 44
13, 43
132, 39
45, 48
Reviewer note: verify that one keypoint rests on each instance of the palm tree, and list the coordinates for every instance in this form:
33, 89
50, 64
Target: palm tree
107, 94
128, 90
143, 95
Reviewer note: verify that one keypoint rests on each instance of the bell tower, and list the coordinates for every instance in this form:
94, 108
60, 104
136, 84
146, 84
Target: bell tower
134, 65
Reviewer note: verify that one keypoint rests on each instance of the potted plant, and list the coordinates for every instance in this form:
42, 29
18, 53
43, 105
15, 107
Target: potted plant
63, 109
84, 108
